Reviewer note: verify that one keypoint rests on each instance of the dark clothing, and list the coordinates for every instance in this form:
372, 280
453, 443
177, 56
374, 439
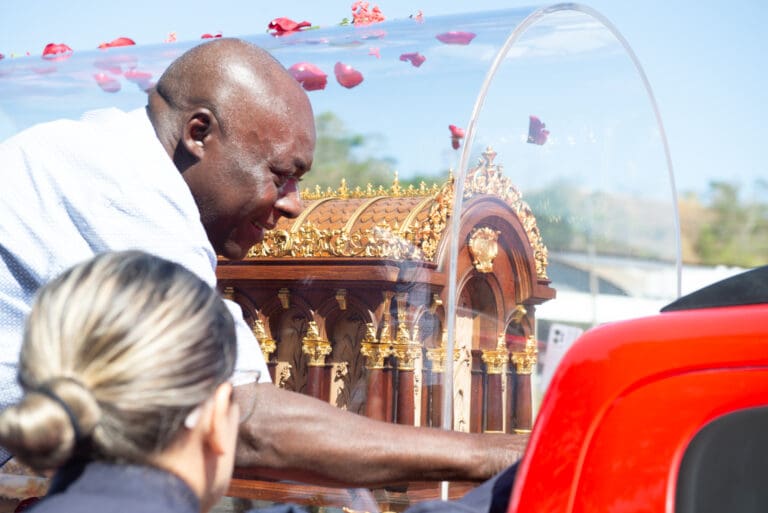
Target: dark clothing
115, 488
490, 497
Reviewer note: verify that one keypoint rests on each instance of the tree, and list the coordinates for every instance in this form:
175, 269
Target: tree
340, 154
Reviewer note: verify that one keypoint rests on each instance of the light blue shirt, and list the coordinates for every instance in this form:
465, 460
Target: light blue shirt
71, 189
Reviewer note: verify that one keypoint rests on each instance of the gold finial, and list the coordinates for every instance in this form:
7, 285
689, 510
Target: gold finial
436, 303
343, 189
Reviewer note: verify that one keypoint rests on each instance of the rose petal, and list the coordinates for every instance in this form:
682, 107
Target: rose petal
120, 41
374, 51
456, 131
347, 76
416, 58
309, 76
210, 36
537, 133
56, 52
283, 26
456, 37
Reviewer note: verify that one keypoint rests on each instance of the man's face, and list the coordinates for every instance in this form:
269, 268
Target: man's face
252, 177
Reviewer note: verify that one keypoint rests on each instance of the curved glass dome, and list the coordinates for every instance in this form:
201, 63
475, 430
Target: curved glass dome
521, 191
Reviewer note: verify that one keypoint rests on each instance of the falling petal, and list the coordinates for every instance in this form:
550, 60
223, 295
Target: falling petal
107, 83
416, 58
455, 37
537, 132
457, 134
56, 52
171, 38
309, 76
210, 36
374, 51
284, 26
120, 41
347, 76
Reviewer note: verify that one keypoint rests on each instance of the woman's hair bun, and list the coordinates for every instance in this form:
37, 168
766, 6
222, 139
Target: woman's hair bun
45, 428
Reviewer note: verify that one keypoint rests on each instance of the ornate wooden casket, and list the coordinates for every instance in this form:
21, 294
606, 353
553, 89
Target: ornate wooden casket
348, 301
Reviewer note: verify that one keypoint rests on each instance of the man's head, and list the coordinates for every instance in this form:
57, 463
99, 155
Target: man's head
240, 130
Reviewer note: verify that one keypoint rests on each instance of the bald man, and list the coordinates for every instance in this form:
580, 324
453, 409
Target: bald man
211, 163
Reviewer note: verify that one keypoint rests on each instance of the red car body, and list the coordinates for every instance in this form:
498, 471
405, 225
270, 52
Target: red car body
616, 428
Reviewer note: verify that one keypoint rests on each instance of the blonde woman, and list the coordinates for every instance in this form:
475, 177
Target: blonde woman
125, 367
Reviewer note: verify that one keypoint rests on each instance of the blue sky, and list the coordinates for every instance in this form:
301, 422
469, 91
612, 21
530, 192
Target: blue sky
704, 59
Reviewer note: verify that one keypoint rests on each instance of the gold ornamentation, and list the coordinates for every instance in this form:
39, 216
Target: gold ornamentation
496, 359
314, 346
405, 349
266, 344
229, 293
519, 314
412, 241
436, 355
484, 246
285, 298
525, 361
375, 352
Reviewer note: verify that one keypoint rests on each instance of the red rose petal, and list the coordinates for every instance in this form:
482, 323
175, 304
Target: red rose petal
309, 76
283, 26
210, 36
120, 41
56, 52
455, 37
347, 76
416, 58
457, 134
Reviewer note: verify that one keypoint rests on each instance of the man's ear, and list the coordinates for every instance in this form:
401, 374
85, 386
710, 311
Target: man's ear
201, 125
223, 414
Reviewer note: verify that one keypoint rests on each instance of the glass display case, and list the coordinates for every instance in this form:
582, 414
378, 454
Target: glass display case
486, 187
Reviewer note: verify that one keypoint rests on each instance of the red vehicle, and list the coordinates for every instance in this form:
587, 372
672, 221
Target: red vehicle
665, 413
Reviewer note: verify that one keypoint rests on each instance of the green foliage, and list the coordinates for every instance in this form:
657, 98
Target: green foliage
338, 155
737, 231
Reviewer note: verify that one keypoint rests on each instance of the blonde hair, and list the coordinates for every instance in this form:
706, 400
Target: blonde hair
117, 351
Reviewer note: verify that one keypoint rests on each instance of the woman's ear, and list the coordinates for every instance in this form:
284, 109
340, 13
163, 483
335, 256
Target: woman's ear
222, 422
200, 126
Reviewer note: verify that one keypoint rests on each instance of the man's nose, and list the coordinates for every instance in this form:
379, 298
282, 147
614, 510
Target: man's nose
289, 204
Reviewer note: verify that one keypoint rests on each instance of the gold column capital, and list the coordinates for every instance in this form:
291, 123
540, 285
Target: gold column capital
406, 354
496, 359
314, 346
436, 355
375, 352
525, 361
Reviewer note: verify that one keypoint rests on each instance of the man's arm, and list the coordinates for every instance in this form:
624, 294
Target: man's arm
293, 436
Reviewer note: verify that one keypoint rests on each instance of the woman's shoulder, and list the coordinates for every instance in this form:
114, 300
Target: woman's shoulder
121, 489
